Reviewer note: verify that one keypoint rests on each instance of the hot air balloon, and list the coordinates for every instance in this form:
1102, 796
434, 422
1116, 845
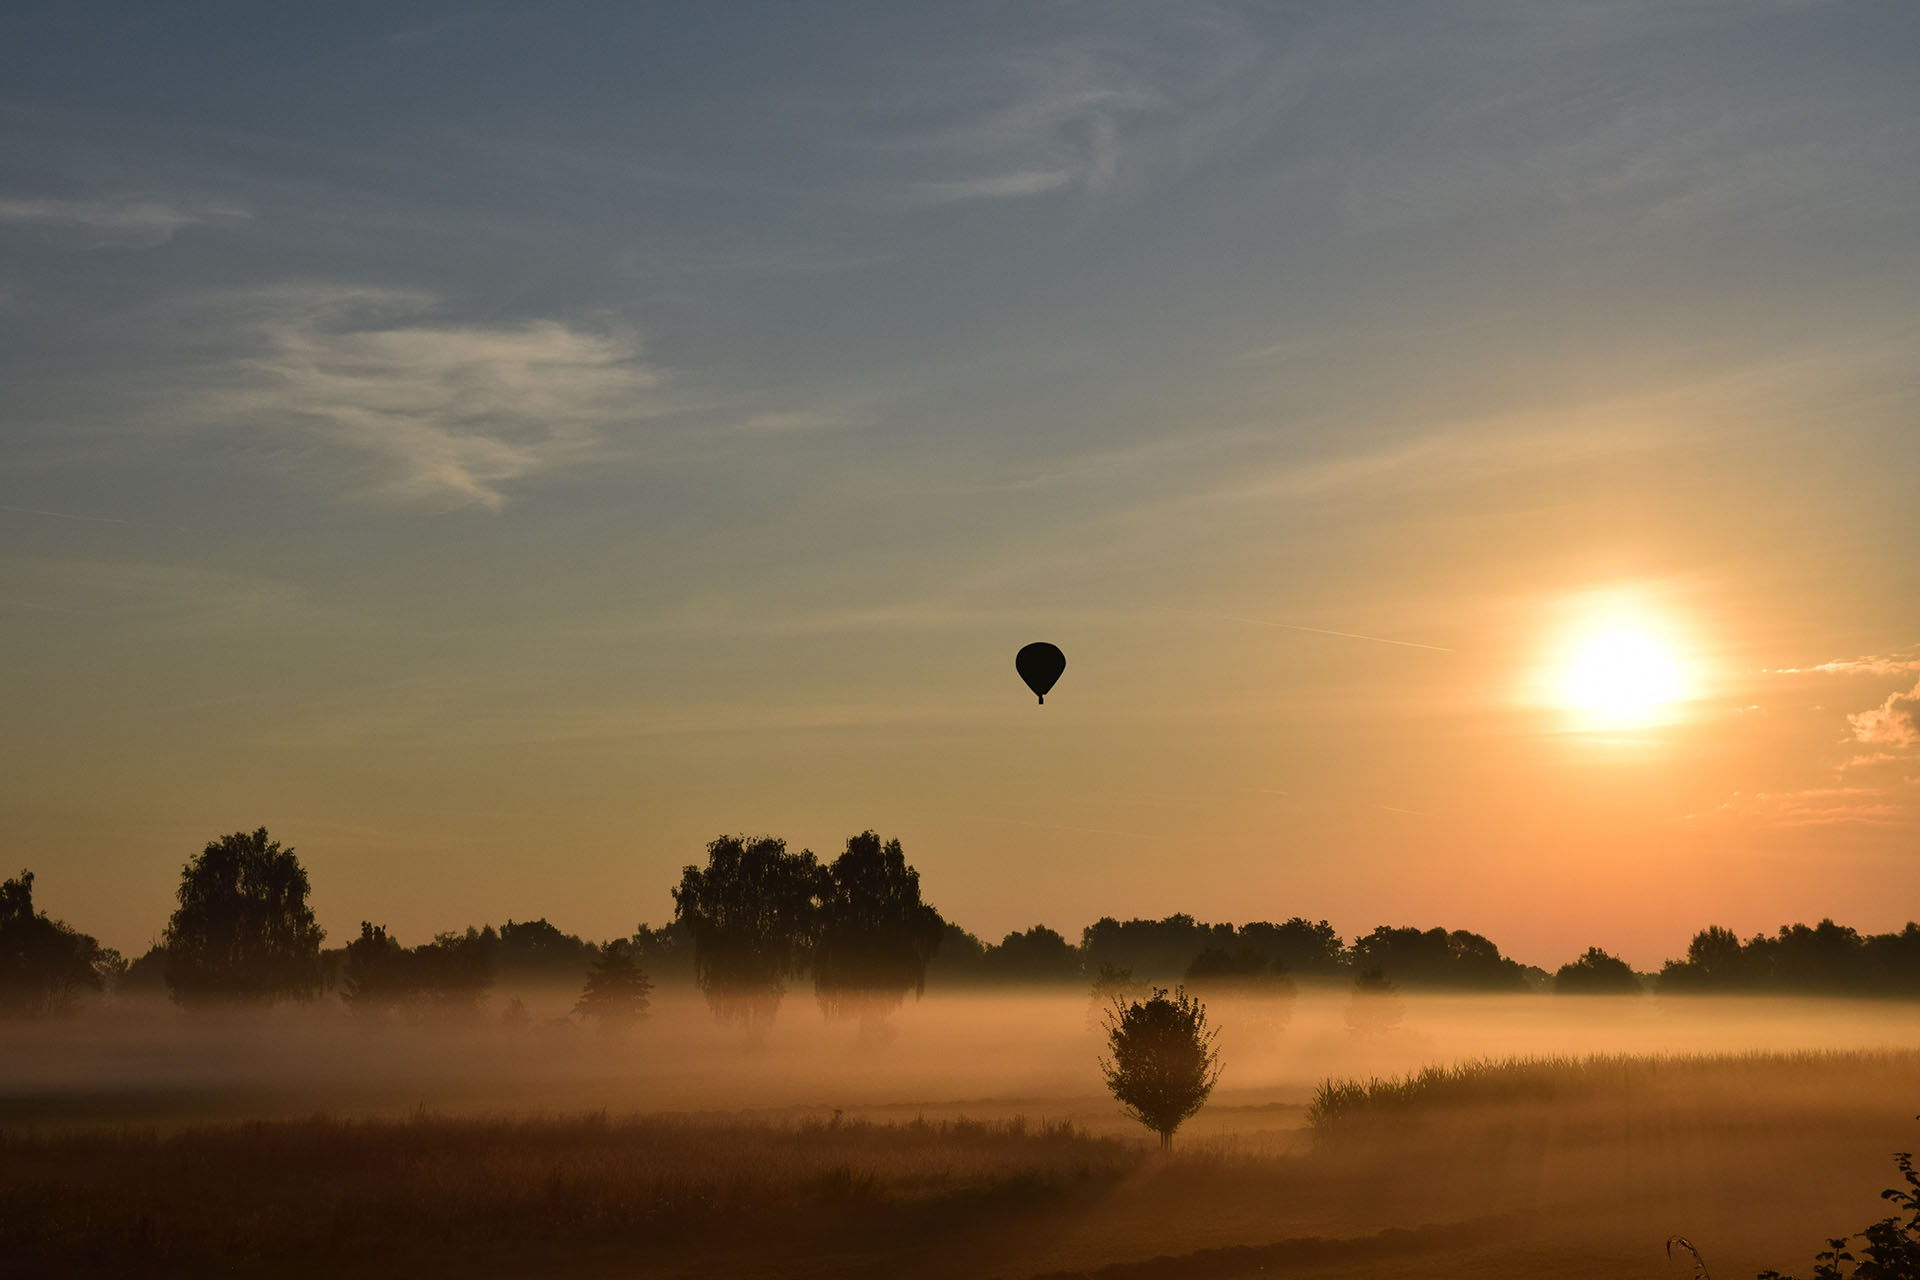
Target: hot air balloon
1040, 664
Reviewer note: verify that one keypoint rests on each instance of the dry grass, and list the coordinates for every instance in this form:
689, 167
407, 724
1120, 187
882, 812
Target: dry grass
1578, 1168
1343, 1105
485, 1196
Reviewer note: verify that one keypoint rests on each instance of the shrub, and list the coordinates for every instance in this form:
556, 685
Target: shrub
1164, 1063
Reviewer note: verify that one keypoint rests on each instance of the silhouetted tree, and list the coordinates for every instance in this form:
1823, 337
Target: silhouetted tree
1309, 948
145, 974
447, 977
958, 959
453, 973
1166, 947
1435, 957
1374, 1007
1890, 962
1038, 955
1248, 991
875, 934
374, 977
665, 953
1163, 1062
1715, 962
1153, 949
243, 930
753, 912
1596, 973
1113, 984
617, 987
536, 951
1826, 958
1241, 972
45, 965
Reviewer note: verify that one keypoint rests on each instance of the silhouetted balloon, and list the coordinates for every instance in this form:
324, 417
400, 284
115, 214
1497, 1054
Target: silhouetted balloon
1040, 664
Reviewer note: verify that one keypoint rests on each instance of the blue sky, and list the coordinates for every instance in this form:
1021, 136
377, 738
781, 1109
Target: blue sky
480, 440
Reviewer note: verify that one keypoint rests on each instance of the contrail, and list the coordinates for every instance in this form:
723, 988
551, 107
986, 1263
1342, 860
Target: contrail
63, 515
1318, 631
1055, 826
72, 515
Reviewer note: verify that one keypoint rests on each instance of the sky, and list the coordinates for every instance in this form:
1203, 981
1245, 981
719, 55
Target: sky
500, 448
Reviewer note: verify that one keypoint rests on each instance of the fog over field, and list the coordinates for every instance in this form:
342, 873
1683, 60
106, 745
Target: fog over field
974, 1140
984, 1055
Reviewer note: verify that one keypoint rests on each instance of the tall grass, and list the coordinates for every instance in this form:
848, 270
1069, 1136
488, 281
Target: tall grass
1340, 1105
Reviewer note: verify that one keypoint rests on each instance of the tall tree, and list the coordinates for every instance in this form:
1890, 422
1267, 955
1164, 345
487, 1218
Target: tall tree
876, 935
753, 911
1163, 1062
45, 966
243, 930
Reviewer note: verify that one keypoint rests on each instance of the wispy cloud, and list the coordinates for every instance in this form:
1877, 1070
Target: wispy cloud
1100, 114
1815, 807
1892, 664
802, 421
1024, 182
110, 224
435, 413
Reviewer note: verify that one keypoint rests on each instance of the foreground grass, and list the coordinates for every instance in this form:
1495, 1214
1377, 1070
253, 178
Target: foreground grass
322, 1195
1341, 1106
1576, 1168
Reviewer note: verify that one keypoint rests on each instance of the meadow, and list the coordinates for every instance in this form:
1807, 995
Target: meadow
1486, 1136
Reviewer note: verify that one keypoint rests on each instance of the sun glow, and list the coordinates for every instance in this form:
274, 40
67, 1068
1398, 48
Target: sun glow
1621, 676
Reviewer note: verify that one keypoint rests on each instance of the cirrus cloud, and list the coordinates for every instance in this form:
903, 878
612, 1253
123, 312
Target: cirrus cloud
427, 411
109, 224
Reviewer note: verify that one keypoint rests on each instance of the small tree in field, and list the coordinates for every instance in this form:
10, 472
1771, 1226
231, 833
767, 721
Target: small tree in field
617, 988
1163, 1063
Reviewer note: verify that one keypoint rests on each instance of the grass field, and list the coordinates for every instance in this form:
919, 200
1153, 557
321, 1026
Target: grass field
1565, 1165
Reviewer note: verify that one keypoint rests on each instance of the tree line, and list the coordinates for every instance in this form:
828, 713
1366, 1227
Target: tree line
758, 916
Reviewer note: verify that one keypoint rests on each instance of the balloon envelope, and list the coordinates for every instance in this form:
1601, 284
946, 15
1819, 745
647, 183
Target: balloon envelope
1040, 664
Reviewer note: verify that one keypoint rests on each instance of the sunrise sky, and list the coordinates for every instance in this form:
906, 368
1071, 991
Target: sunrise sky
499, 448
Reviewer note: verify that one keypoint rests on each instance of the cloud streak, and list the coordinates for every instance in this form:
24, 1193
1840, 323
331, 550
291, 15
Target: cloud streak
110, 224
1023, 182
433, 413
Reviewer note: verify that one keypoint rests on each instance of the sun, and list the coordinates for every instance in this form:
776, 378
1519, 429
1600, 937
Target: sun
1621, 676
